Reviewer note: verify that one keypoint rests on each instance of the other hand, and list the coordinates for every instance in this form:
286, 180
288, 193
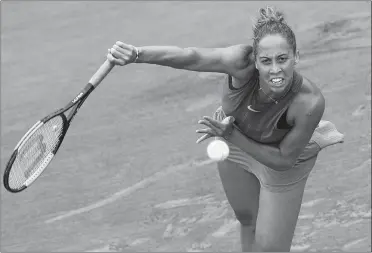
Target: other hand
215, 128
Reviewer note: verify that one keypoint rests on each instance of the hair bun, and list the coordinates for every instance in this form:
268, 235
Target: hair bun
269, 14
271, 22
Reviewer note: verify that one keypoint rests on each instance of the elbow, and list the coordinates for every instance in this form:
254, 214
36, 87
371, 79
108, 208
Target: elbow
285, 160
191, 58
285, 163
191, 52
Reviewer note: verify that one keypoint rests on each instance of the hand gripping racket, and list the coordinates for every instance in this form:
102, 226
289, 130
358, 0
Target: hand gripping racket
38, 146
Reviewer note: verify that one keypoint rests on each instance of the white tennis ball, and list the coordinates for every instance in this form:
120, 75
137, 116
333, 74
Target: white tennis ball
218, 150
55, 127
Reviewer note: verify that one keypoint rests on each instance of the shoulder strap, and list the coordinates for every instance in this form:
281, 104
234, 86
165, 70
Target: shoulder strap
231, 87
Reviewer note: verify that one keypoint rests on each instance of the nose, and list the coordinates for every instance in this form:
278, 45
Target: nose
275, 69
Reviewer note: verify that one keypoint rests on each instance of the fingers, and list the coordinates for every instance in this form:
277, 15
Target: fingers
215, 128
205, 131
120, 50
207, 134
125, 48
216, 123
121, 53
209, 124
123, 45
213, 122
115, 60
203, 138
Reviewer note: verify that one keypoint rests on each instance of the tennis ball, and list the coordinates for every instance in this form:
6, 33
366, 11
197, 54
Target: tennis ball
55, 127
218, 150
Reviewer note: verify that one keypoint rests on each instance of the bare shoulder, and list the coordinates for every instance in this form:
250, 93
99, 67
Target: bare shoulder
309, 103
230, 60
242, 59
238, 56
311, 95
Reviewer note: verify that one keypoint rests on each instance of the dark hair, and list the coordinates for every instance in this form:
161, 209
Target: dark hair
271, 21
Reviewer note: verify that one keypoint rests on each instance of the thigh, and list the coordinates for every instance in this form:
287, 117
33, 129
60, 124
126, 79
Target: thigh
277, 217
242, 190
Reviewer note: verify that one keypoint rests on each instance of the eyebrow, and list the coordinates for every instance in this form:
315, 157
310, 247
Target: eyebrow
283, 54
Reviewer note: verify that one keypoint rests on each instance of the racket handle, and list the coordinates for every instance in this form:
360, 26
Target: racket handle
101, 73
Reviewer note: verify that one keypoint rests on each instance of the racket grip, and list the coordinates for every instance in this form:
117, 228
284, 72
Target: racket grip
101, 73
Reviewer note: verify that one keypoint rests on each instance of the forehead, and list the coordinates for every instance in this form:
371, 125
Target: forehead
272, 45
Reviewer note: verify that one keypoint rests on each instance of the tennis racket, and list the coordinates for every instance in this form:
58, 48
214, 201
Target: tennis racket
39, 145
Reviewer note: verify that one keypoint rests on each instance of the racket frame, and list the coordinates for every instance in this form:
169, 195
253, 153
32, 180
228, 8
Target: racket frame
76, 103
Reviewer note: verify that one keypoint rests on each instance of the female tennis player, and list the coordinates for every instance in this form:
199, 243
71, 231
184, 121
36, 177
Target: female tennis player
270, 117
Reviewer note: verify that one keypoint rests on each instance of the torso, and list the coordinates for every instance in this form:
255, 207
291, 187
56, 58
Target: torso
273, 121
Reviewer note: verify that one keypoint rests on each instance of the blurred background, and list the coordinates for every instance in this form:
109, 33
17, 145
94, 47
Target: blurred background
129, 176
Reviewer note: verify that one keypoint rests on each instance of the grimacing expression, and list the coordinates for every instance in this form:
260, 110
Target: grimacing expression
275, 61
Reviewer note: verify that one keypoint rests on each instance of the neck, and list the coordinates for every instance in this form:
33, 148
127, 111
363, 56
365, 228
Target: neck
263, 95
267, 96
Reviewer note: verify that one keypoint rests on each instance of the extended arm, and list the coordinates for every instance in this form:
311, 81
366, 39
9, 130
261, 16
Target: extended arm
223, 60
229, 60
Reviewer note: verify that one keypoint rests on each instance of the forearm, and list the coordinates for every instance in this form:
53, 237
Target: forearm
170, 56
269, 156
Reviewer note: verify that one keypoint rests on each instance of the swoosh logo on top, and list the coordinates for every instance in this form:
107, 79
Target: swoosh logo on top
251, 109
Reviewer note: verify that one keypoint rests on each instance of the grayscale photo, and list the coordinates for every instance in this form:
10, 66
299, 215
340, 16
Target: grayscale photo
185, 126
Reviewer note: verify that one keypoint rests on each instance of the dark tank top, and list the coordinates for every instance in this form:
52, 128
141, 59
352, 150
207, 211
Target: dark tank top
269, 125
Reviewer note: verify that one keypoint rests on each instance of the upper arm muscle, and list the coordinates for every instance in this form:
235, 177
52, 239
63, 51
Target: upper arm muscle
229, 60
305, 123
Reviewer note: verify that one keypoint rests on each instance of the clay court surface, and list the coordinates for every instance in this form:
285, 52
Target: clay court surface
129, 176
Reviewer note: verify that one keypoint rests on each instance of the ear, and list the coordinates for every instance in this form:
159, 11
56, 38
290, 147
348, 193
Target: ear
297, 57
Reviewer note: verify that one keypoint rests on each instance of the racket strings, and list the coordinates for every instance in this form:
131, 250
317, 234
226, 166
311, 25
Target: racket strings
35, 153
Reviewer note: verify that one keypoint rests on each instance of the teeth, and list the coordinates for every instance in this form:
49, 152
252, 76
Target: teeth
276, 80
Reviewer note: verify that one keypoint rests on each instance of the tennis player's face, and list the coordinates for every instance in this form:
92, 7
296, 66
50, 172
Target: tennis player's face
275, 62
